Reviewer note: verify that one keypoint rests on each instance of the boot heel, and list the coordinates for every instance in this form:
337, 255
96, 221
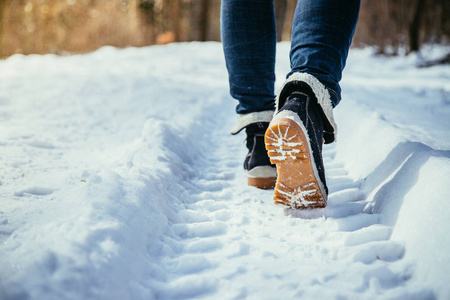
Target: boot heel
262, 183
263, 177
297, 184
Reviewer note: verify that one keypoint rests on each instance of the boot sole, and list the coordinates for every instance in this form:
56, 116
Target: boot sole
298, 185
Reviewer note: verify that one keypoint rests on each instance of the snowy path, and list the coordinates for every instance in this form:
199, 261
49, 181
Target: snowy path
236, 243
120, 181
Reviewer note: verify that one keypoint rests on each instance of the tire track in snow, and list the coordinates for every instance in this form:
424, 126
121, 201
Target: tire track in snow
236, 244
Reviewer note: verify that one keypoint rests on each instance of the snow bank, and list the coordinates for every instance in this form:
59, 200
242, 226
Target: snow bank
113, 221
96, 155
406, 183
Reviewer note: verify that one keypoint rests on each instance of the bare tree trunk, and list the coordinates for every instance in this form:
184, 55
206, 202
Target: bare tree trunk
2, 28
382, 28
147, 20
204, 20
280, 15
444, 18
414, 28
176, 20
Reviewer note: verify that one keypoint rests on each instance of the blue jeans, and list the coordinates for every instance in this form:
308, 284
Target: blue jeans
321, 36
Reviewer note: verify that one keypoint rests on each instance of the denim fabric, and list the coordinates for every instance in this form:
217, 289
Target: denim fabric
321, 37
249, 40
322, 32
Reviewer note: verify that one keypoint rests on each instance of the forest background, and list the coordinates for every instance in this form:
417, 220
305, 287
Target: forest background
392, 27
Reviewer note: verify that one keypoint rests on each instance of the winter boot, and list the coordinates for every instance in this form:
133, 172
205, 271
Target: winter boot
261, 173
294, 143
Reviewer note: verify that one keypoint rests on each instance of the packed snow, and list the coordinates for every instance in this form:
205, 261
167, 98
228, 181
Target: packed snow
120, 180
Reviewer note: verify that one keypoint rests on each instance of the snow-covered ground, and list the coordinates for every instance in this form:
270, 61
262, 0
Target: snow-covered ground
119, 180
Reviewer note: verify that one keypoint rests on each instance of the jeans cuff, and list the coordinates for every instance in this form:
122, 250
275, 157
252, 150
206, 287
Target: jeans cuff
246, 119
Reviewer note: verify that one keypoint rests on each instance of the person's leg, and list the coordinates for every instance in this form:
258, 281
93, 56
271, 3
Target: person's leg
249, 41
322, 32
321, 38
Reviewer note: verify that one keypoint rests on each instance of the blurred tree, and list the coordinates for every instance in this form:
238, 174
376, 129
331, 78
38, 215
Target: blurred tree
280, 16
445, 17
2, 28
402, 26
414, 28
146, 15
70, 26
176, 20
204, 20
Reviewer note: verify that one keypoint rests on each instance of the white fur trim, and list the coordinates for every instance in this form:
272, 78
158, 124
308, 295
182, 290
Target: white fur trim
247, 119
262, 172
321, 92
